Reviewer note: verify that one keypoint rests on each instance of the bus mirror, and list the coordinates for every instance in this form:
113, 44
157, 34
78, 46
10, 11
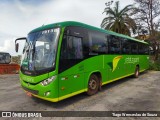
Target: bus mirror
17, 44
16, 47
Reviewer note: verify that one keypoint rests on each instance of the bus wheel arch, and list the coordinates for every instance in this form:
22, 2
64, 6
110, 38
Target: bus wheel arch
136, 73
94, 83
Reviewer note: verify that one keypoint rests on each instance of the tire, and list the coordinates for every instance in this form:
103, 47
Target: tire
136, 73
93, 85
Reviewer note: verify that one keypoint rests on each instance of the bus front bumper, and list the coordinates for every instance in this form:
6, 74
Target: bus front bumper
48, 92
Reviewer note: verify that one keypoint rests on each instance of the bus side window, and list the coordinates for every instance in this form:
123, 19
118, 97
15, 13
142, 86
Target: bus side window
126, 48
71, 52
146, 52
97, 43
114, 45
71, 48
134, 48
143, 49
77, 43
140, 48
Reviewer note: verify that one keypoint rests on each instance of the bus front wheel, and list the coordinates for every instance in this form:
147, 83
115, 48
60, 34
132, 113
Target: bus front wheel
93, 85
136, 74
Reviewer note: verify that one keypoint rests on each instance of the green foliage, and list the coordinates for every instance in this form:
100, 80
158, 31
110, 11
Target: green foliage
119, 20
154, 65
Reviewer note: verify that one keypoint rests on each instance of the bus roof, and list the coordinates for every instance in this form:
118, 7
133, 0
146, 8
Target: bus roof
73, 23
4, 53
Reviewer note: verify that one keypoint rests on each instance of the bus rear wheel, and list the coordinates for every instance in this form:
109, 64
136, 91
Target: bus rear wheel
93, 85
136, 74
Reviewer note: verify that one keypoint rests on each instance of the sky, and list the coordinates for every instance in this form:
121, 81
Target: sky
19, 17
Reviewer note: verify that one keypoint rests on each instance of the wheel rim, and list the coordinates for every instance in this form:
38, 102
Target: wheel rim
137, 73
92, 84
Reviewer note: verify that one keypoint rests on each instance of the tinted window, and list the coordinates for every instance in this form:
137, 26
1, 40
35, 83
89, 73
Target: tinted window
71, 52
126, 47
143, 49
146, 49
140, 48
134, 48
71, 48
97, 43
114, 44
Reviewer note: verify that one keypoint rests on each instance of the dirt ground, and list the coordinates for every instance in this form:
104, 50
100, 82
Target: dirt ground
128, 94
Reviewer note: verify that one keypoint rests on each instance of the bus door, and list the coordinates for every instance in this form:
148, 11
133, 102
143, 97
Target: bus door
71, 66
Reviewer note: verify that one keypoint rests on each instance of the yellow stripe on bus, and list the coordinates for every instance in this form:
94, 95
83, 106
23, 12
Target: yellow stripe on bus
60, 98
120, 78
116, 79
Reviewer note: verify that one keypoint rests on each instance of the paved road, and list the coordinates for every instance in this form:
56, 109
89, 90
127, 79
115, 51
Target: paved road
129, 94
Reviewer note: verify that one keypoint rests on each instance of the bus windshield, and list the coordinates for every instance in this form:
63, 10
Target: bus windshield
40, 50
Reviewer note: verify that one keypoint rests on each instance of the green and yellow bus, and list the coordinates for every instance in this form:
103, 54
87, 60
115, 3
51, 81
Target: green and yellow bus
64, 59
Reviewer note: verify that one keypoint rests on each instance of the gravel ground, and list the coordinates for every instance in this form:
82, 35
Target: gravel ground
129, 94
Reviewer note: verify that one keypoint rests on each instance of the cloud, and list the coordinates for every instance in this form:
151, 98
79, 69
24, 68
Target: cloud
19, 17
5, 46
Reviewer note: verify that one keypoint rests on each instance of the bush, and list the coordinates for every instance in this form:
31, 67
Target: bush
154, 65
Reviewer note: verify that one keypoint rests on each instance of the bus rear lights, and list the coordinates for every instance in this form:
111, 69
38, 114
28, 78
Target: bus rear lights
48, 81
47, 93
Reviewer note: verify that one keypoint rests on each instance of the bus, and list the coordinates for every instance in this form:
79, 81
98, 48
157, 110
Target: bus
5, 58
64, 59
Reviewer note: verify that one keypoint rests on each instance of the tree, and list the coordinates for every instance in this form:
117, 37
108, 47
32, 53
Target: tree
147, 16
148, 11
119, 20
154, 42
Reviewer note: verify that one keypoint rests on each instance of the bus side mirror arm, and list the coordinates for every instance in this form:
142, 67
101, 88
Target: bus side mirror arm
17, 44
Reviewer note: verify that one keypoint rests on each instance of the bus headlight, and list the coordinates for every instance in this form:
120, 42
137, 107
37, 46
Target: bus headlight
48, 81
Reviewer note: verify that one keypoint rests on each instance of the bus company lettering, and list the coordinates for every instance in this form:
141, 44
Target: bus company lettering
131, 60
